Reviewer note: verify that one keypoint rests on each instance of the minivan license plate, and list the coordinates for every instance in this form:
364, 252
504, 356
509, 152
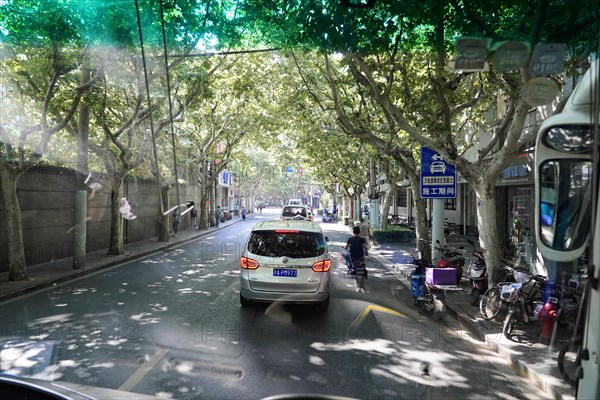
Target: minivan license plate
291, 273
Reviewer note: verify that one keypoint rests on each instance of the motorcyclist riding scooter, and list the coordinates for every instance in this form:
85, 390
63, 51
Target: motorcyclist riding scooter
355, 257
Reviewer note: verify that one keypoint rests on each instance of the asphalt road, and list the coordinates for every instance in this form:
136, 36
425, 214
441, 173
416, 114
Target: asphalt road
171, 325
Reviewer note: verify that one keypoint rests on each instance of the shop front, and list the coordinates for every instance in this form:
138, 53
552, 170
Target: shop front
516, 209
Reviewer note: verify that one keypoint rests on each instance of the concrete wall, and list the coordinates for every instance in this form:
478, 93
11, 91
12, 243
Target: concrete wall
47, 200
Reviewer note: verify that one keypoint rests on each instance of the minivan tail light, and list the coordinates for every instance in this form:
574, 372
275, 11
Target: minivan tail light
287, 231
322, 266
248, 263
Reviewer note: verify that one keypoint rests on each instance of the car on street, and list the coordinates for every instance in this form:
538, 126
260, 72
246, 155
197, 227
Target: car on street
299, 212
285, 261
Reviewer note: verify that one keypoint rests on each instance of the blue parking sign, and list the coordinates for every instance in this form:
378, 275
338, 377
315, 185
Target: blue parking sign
438, 178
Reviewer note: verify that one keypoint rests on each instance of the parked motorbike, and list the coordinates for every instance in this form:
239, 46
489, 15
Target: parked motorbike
425, 296
560, 304
477, 275
451, 259
327, 217
226, 214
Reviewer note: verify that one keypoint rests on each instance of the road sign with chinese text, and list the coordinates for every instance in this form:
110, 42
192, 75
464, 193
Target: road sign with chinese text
438, 178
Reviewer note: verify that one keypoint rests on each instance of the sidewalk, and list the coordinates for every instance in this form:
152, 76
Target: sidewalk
525, 354
51, 273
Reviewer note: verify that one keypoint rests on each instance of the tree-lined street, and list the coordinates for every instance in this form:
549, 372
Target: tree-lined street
171, 325
125, 122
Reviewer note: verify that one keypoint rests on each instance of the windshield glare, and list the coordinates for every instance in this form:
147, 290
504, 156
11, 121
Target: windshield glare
149, 149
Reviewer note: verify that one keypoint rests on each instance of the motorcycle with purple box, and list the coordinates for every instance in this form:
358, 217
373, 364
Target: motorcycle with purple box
428, 285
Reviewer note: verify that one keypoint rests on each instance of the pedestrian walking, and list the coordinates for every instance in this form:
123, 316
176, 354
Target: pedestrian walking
243, 212
175, 221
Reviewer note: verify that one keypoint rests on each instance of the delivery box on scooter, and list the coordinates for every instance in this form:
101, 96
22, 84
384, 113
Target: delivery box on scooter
440, 276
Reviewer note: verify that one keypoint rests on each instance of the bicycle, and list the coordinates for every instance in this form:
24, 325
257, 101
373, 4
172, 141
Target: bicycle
491, 303
521, 304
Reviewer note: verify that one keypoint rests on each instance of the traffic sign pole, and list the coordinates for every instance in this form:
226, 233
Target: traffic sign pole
437, 229
438, 182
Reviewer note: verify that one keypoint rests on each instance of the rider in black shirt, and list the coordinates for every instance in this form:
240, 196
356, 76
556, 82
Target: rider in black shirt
356, 245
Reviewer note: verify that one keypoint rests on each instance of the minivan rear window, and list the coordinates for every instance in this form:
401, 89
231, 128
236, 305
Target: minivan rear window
286, 244
294, 211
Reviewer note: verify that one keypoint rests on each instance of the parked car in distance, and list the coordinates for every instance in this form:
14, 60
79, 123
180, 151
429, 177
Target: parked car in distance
295, 202
285, 261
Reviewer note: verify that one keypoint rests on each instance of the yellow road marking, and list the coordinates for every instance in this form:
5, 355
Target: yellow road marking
372, 307
143, 370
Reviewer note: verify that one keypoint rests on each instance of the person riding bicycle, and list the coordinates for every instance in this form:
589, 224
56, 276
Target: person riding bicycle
357, 247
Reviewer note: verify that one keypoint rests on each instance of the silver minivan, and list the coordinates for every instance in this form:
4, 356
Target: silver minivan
285, 261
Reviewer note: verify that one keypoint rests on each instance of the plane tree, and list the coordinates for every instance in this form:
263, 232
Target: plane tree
448, 113
399, 52
41, 89
232, 113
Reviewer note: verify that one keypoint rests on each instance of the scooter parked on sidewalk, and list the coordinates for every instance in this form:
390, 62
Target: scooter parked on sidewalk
451, 259
477, 275
426, 296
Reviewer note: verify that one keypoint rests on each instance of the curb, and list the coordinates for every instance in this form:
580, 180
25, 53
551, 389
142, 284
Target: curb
78, 273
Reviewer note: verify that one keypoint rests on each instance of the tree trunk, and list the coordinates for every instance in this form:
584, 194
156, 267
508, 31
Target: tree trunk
203, 212
81, 205
17, 268
389, 197
115, 246
487, 226
421, 223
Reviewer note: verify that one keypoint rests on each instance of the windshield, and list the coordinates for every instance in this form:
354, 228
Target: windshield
142, 142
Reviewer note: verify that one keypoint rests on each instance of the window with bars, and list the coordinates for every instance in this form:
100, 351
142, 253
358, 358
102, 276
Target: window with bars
450, 204
402, 198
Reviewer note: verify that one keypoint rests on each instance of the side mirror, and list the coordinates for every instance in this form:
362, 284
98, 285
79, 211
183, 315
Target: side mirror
563, 184
327, 238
